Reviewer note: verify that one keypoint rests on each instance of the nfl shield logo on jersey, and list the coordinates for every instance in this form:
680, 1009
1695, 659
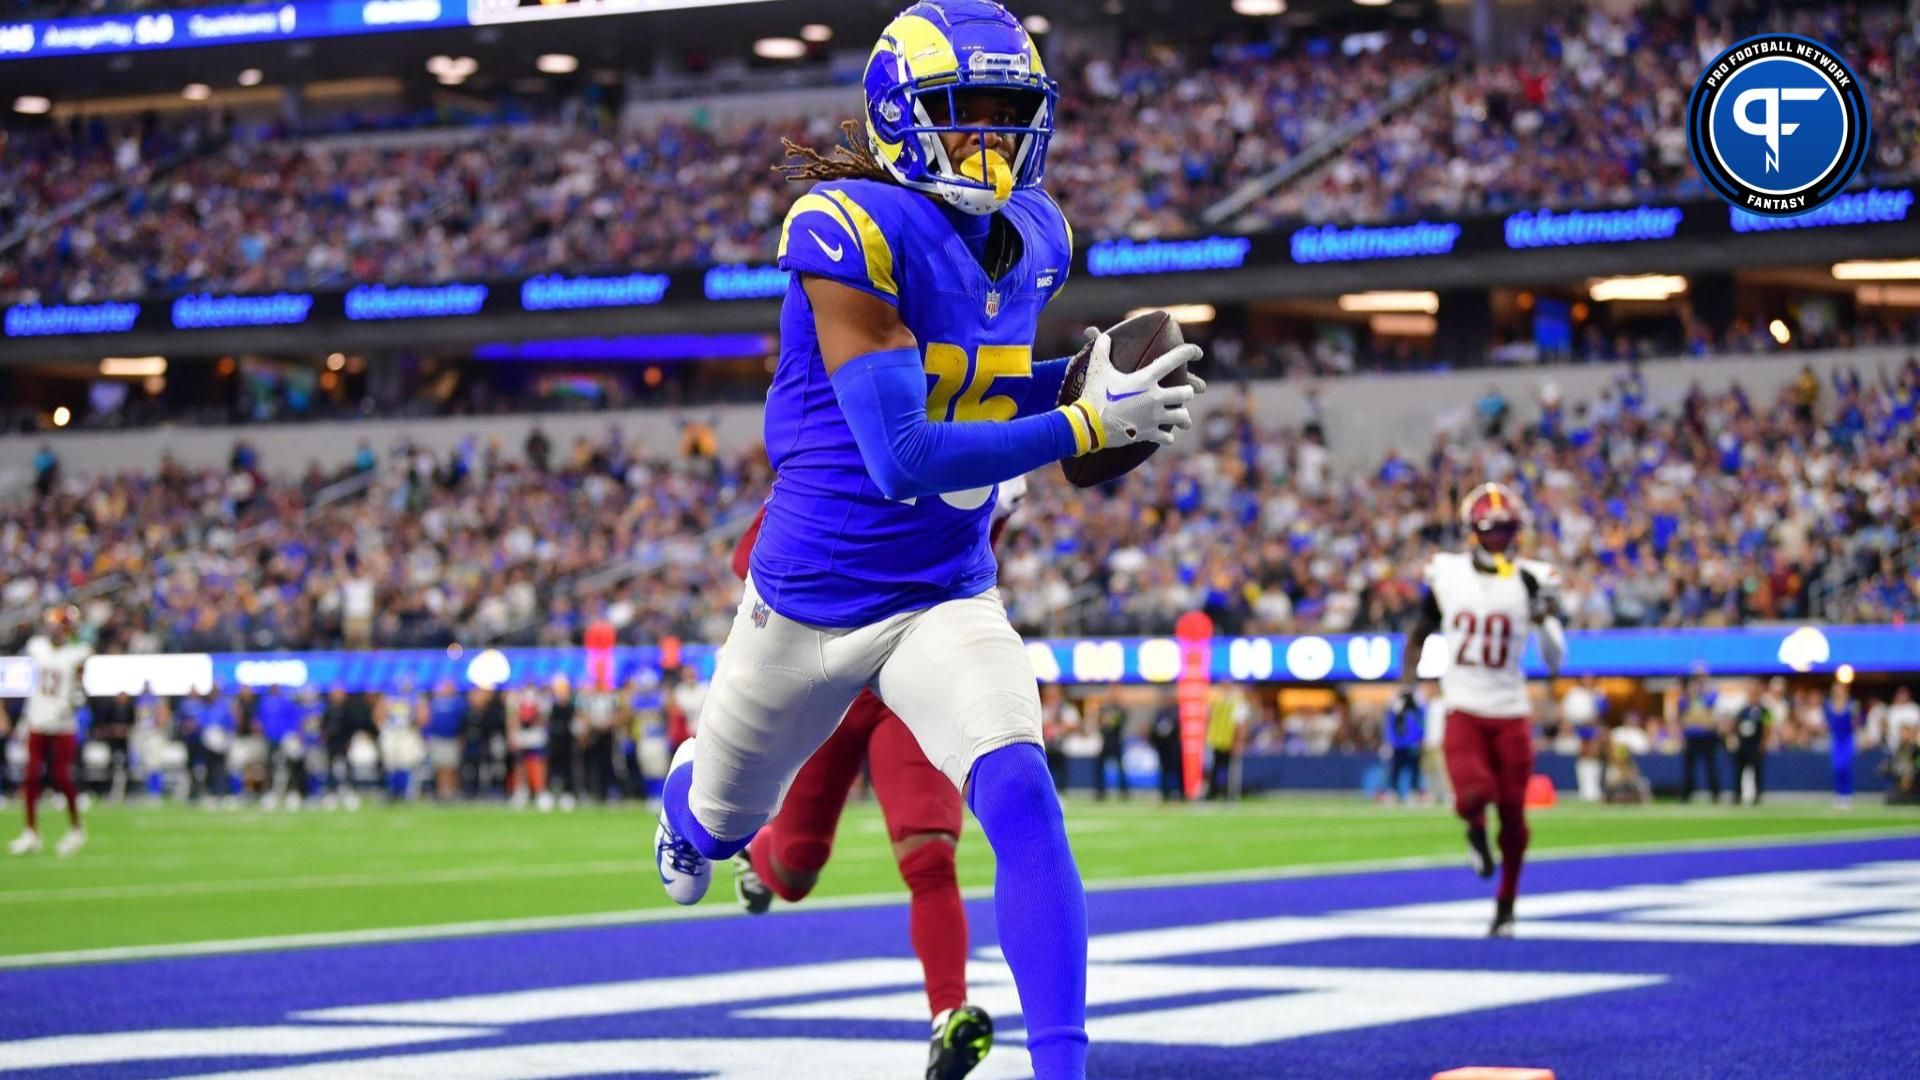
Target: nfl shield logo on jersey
993, 303
760, 613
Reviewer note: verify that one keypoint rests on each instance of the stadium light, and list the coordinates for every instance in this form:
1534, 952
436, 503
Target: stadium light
31, 105
1037, 24
1779, 331
1185, 314
197, 91
1877, 270
61, 416
1403, 325
251, 77
1373, 3
557, 64
779, 48
1386, 300
454, 68
1639, 287
816, 33
1257, 8
133, 367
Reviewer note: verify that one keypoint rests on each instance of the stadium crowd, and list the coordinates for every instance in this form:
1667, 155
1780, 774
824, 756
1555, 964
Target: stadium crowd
1592, 112
1588, 112
410, 551
1714, 510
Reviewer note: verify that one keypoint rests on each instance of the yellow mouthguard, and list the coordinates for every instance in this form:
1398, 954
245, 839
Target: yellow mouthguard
997, 168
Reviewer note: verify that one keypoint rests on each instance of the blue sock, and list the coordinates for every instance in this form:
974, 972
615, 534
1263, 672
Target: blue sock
680, 818
1038, 904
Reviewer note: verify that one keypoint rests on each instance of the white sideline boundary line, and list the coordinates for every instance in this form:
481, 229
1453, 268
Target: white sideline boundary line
724, 910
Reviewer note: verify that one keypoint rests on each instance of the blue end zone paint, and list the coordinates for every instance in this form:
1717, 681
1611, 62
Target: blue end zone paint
1714, 1009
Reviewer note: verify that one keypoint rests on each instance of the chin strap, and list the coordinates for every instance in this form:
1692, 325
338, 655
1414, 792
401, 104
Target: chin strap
1489, 563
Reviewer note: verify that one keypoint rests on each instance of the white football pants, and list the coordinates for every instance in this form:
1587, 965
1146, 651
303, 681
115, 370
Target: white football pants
956, 673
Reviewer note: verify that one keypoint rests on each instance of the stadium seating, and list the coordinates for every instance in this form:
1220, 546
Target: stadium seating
1712, 510
1149, 141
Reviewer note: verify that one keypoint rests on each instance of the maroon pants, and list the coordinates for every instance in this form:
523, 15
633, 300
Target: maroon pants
57, 753
1490, 760
915, 798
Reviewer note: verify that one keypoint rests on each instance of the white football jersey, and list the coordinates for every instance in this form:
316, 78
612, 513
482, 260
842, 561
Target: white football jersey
56, 684
1486, 620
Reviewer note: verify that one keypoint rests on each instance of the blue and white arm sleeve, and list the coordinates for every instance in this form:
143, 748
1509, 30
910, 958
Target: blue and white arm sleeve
884, 397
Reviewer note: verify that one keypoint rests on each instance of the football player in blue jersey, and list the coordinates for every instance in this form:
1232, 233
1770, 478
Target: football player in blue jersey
906, 390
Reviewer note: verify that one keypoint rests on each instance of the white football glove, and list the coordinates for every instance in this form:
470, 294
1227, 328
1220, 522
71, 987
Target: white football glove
1133, 406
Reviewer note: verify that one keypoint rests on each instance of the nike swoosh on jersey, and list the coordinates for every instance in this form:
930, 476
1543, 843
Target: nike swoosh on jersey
833, 252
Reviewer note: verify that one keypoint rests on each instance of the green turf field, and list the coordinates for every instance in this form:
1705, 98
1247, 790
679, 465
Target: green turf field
162, 875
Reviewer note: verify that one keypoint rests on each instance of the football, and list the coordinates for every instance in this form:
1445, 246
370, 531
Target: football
1135, 342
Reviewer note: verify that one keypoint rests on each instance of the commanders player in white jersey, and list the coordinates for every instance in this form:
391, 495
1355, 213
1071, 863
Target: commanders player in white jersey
51, 742
1485, 602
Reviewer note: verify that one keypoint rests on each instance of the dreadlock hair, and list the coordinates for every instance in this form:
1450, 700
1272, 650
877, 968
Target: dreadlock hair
850, 160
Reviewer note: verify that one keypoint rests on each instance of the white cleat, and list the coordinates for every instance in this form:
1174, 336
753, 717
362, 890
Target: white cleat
545, 802
568, 802
27, 843
683, 870
71, 843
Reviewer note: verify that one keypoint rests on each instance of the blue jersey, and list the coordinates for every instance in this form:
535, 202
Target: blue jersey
446, 716
1840, 721
833, 550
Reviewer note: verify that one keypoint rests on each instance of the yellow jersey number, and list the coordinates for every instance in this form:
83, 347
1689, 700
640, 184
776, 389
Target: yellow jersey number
967, 379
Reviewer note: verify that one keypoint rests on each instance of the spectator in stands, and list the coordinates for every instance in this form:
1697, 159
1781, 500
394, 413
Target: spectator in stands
46, 470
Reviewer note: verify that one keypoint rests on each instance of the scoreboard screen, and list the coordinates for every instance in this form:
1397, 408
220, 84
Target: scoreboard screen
483, 12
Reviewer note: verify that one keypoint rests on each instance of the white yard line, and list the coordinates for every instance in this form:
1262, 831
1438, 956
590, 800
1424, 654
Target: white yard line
723, 910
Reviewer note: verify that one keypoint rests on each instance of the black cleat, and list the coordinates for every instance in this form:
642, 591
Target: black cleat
961, 1039
1480, 856
753, 893
1502, 919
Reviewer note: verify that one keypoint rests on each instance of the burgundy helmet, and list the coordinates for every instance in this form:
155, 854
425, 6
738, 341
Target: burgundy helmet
1493, 516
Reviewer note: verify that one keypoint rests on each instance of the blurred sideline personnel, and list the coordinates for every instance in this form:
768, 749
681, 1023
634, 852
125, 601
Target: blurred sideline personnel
1406, 736
923, 820
1487, 601
51, 742
1843, 719
905, 391
1750, 747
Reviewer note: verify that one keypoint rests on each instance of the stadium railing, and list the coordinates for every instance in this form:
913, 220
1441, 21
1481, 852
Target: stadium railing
1313, 156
